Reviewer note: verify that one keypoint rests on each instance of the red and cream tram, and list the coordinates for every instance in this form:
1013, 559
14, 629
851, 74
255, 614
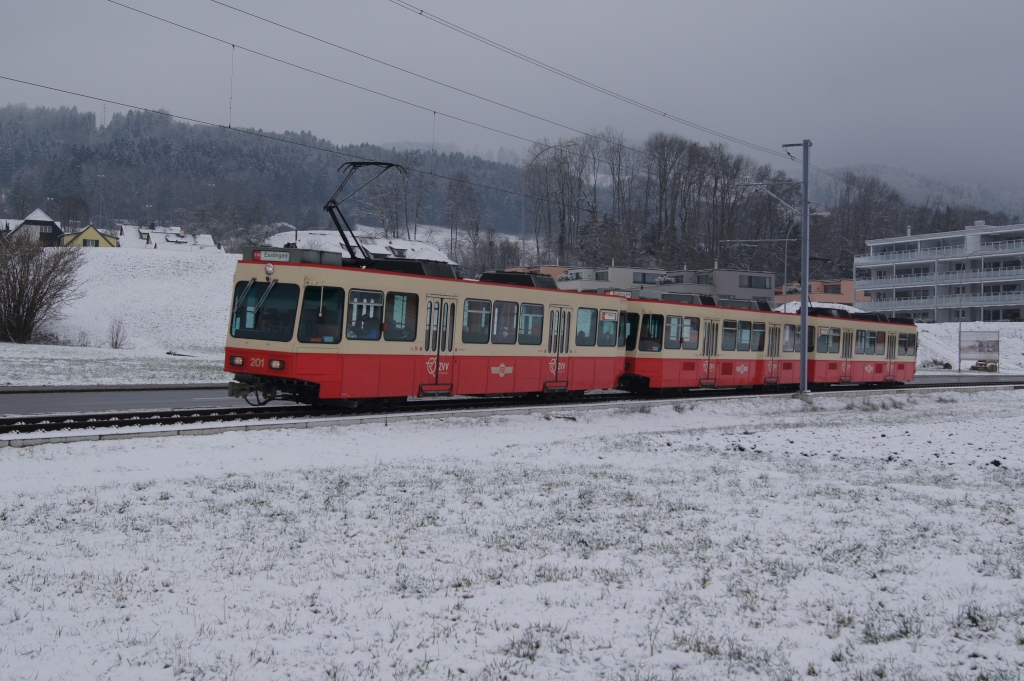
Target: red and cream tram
316, 327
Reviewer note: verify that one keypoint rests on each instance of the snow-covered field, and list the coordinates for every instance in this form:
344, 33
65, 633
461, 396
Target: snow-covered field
61, 365
939, 344
855, 537
169, 301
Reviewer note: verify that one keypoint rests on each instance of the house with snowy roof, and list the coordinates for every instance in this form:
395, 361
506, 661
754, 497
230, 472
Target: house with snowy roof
38, 225
164, 238
90, 237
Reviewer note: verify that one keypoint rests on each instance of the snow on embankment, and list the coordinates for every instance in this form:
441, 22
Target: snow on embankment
938, 344
169, 301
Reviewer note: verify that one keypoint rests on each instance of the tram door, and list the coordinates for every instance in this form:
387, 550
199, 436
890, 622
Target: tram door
772, 353
439, 346
559, 325
890, 356
846, 357
708, 371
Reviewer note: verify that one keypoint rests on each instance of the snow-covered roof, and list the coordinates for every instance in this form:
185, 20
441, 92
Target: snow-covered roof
380, 247
164, 238
794, 306
131, 238
39, 216
187, 242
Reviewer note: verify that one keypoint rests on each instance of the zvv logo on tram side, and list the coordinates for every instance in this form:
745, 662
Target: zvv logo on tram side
552, 365
501, 370
433, 366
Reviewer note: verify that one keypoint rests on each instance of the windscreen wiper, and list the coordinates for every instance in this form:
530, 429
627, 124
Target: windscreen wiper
270, 287
238, 303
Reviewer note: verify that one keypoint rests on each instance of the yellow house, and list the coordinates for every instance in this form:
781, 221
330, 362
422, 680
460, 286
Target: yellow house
90, 236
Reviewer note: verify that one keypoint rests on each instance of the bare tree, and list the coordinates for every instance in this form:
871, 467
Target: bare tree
117, 333
35, 284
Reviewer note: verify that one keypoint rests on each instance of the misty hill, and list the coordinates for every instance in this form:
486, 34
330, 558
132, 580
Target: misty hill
933, 193
148, 167
664, 202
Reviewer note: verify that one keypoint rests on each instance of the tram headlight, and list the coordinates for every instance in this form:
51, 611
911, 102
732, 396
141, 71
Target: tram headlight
277, 364
237, 361
269, 269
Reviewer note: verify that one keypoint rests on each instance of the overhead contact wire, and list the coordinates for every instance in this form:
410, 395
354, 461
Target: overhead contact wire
345, 82
598, 88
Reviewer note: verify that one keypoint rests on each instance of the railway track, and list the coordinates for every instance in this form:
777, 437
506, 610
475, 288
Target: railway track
26, 430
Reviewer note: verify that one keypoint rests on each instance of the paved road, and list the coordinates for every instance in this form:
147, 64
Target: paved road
123, 400
64, 402
966, 377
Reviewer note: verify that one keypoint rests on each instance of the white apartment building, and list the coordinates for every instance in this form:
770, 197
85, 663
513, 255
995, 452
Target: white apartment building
973, 274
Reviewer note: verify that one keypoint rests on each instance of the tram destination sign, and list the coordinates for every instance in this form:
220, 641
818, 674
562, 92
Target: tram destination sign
271, 256
979, 345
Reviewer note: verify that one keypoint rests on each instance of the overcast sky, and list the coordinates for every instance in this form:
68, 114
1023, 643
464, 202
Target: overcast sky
933, 86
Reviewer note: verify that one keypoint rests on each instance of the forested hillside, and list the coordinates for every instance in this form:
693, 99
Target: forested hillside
592, 200
149, 167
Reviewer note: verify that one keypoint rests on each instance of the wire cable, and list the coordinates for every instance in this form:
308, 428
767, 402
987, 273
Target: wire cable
598, 88
453, 88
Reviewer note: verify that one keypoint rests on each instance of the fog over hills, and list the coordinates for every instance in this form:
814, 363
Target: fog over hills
934, 192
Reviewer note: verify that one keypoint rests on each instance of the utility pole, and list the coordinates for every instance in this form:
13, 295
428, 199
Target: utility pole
805, 264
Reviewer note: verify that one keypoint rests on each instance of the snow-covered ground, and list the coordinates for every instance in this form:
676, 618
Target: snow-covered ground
168, 301
939, 345
855, 537
61, 365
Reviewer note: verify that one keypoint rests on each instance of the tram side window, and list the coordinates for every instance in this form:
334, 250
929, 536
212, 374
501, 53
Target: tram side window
476, 321
789, 338
880, 342
860, 342
607, 330
531, 324
623, 328
631, 326
834, 339
320, 319
869, 342
823, 340
673, 333
691, 333
264, 311
651, 330
504, 331
365, 317
810, 339
757, 339
743, 337
907, 344
729, 334
400, 314
586, 326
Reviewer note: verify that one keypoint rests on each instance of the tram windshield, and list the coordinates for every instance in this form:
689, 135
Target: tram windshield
264, 310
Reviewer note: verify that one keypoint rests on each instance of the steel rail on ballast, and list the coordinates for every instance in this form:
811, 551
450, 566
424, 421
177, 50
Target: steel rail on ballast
23, 431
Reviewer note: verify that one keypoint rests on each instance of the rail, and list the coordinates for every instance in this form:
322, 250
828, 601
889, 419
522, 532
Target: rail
36, 430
